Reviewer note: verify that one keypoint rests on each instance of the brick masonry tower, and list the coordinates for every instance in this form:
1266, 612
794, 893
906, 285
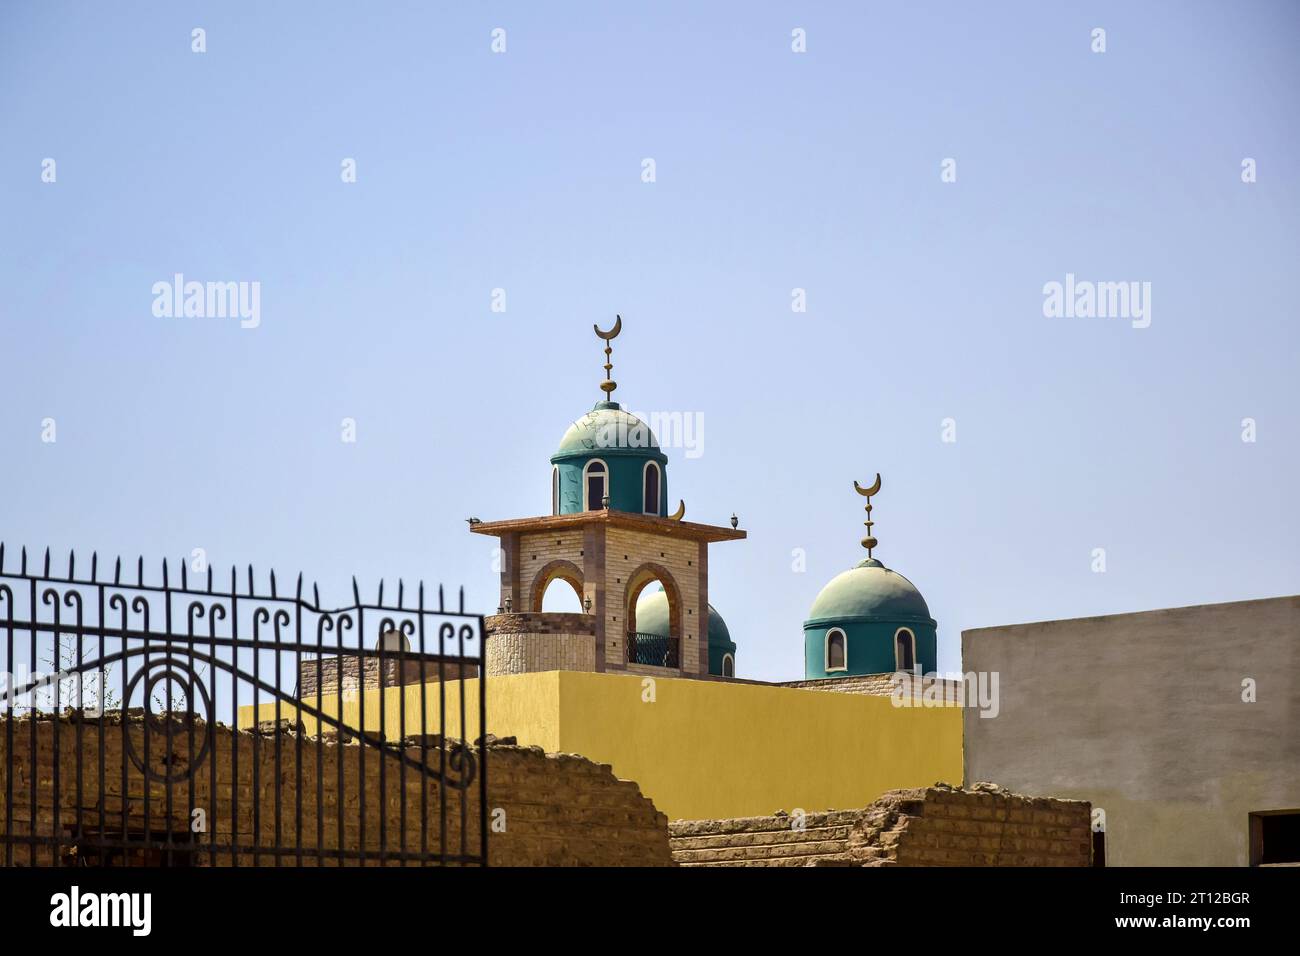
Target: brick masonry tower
609, 536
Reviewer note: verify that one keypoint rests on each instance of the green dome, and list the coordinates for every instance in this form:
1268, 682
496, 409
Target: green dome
869, 591
609, 430
652, 618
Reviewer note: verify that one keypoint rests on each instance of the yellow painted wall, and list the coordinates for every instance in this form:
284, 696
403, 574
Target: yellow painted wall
527, 702
710, 749
706, 749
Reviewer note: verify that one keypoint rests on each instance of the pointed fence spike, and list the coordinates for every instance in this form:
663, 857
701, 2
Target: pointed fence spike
401, 593
2, 557
72, 564
356, 591
139, 571
315, 593
462, 599
94, 566
24, 559
117, 570
47, 562
185, 575
441, 605
381, 592
166, 583
299, 589
250, 580
273, 594
209, 579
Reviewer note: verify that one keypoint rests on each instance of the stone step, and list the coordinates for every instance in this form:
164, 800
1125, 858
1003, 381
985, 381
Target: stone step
815, 860
687, 828
762, 852
762, 837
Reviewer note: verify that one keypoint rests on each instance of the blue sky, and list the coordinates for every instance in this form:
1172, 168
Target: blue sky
774, 171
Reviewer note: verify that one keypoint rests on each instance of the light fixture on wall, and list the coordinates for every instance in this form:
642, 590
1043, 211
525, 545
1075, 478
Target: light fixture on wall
586, 603
734, 520
604, 502
509, 603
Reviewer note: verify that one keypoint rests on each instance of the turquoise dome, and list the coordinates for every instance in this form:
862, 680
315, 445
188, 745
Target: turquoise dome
608, 430
869, 620
869, 591
614, 443
652, 618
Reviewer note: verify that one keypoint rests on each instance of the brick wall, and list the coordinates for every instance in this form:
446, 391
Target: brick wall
625, 551
879, 685
554, 809
396, 673
931, 826
538, 549
546, 641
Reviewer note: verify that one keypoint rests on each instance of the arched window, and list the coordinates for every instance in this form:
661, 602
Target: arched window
555, 489
650, 484
728, 666
905, 650
837, 651
595, 485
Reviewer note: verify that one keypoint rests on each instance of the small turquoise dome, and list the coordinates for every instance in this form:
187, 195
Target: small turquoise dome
870, 590
610, 453
608, 430
652, 618
869, 620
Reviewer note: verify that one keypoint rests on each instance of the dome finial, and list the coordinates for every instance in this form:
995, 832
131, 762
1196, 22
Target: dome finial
868, 542
609, 384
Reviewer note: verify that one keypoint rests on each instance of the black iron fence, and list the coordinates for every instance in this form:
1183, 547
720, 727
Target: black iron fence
184, 722
654, 649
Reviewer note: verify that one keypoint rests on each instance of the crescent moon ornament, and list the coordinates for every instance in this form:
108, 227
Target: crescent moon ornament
869, 542
680, 512
612, 333
868, 492
609, 384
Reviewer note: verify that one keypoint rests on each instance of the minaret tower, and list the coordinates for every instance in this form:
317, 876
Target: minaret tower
609, 536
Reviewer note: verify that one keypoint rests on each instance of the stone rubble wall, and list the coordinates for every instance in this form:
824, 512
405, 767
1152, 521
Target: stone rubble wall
543, 809
931, 826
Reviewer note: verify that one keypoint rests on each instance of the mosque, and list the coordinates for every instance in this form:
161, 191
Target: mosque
641, 574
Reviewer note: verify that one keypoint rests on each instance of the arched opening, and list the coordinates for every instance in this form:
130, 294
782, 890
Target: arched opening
653, 649
555, 489
905, 650
566, 596
595, 485
837, 651
728, 666
650, 488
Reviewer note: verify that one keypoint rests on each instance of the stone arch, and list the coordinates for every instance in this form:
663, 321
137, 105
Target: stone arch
566, 571
637, 582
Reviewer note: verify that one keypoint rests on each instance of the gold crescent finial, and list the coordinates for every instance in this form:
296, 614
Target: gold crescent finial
612, 333
868, 492
680, 512
609, 384
868, 542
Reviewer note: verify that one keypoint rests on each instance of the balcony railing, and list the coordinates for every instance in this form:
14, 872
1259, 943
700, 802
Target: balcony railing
653, 649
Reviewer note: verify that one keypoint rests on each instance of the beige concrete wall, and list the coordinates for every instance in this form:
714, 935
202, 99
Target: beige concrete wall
1143, 716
